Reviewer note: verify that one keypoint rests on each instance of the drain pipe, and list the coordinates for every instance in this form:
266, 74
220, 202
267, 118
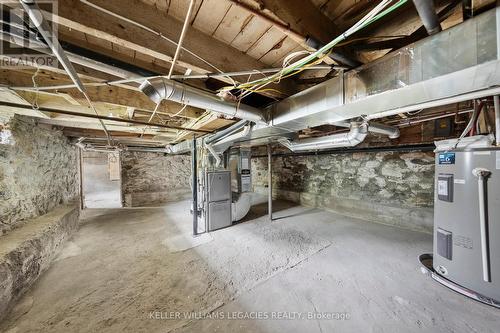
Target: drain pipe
427, 12
496, 100
161, 89
355, 136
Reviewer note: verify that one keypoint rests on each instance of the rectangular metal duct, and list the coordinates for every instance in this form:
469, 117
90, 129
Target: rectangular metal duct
451, 66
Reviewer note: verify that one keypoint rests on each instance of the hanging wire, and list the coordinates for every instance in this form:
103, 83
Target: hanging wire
151, 118
35, 85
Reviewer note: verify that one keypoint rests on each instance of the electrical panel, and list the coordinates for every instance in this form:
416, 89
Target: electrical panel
445, 187
444, 243
240, 166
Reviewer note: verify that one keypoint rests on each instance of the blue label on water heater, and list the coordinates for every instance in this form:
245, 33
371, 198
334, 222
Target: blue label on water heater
447, 158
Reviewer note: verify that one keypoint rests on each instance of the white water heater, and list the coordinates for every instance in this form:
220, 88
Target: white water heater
467, 218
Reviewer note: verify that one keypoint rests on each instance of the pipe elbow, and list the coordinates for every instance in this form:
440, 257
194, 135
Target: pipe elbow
156, 91
357, 134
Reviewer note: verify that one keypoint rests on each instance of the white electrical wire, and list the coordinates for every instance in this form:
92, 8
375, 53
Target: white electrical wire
108, 136
137, 24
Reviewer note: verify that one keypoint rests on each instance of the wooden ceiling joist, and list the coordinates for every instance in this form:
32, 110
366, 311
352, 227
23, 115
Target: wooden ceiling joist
80, 17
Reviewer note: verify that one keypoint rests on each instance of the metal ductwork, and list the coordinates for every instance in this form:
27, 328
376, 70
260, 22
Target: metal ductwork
354, 137
161, 89
391, 131
427, 12
225, 132
460, 64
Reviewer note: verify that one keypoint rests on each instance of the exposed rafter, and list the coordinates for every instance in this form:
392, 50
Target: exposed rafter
82, 18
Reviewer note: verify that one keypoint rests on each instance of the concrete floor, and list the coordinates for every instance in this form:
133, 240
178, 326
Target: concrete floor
125, 271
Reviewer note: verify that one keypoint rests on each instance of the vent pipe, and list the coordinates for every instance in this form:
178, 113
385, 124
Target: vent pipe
354, 137
161, 89
391, 131
428, 15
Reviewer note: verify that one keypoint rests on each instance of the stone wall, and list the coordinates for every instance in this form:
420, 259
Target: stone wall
386, 187
38, 171
152, 178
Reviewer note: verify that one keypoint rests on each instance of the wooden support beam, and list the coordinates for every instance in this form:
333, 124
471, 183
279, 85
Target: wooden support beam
304, 17
82, 18
105, 94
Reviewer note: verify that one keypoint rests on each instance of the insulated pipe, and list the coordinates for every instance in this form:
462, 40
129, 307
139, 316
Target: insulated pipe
161, 89
428, 15
496, 100
352, 138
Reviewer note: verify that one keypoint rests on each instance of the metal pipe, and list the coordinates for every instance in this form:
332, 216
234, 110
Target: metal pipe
194, 170
214, 154
181, 38
36, 17
221, 134
427, 12
44, 29
176, 77
270, 182
89, 115
496, 101
355, 136
391, 131
159, 90
482, 176
235, 136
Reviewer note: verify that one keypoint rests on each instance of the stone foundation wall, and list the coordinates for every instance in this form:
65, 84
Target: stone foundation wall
386, 187
26, 252
152, 178
38, 171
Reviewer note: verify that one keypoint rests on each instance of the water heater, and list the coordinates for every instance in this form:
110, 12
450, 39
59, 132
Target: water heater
467, 217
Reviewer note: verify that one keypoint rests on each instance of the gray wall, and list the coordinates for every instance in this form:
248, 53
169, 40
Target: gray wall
38, 171
152, 179
386, 187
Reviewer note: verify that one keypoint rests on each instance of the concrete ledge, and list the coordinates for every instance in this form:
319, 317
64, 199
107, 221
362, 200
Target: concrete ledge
142, 199
26, 252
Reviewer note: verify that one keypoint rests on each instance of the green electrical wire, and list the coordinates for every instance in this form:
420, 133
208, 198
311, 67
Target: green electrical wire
325, 49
